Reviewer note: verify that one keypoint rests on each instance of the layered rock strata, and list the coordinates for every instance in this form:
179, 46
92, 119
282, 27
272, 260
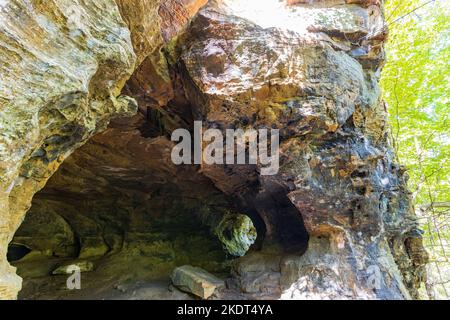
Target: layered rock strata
336, 221
63, 65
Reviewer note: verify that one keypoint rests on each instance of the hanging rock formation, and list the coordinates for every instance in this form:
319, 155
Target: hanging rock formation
303, 71
336, 221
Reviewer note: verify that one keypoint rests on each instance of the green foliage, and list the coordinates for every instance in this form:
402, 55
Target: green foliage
416, 82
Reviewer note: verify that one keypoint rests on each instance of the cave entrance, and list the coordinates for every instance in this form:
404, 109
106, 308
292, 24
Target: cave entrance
121, 207
287, 228
17, 252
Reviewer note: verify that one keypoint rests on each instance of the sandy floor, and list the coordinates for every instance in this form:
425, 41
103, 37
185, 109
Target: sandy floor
51, 288
110, 280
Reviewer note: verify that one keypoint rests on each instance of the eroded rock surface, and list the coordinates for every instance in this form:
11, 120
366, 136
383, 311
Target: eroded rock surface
335, 222
196, 281
316, 81
63, 65
81, 266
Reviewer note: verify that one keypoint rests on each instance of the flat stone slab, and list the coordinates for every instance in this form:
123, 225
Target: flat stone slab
196, 281
69, 268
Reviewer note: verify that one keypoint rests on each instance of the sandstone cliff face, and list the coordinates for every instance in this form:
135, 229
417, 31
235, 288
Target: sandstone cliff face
336, 221
311, 71
63, 66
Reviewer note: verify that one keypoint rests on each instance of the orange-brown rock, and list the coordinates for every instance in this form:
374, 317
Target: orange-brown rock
334, 223
63, 65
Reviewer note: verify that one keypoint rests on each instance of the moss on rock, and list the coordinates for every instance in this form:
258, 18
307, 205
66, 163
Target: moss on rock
237, 233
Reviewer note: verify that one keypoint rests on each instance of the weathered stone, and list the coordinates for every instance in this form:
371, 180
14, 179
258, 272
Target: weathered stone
70, 268
196, 281
339, 208
35, 236
63, 65
237, 233
242, 69
258, 275
61, 80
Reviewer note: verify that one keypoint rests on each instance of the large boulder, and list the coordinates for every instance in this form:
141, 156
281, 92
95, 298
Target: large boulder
196, 281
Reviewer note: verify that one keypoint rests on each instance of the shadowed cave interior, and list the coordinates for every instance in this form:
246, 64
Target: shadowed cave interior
119, 203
